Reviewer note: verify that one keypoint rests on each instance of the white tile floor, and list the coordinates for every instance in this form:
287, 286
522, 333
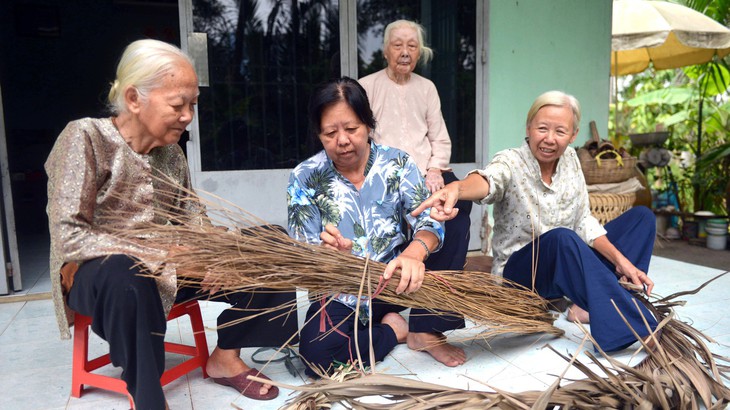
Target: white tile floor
35, 365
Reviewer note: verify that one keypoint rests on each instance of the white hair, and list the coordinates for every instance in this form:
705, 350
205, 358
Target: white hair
558, 99
426, 53
143, 65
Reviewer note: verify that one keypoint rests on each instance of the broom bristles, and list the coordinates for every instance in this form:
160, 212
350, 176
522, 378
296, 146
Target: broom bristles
249, 254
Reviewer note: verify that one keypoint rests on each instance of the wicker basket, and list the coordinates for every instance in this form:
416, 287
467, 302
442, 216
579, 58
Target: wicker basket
606, 207
604, 171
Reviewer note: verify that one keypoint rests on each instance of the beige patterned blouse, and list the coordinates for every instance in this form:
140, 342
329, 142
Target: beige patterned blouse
91, 170
526, 207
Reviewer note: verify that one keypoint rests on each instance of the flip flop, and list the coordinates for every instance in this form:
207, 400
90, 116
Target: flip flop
249, 388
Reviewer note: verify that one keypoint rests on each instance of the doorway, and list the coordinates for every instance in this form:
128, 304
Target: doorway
264, 61
58, 58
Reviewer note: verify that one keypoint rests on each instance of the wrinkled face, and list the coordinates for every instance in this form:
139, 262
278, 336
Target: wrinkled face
167, 110
403, 50
550, 132
344, 137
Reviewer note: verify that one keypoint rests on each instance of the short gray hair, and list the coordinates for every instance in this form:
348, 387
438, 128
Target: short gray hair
558, 99
143, 65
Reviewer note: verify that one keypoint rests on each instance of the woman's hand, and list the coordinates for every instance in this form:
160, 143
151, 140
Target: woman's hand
624, 268
434, 179
441, 203
207, 284
333, 239
627, 270
412, 272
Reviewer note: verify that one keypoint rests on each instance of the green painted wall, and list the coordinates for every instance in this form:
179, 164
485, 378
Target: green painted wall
540, 45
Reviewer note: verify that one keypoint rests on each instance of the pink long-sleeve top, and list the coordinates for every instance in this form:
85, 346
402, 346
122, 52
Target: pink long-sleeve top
409, 118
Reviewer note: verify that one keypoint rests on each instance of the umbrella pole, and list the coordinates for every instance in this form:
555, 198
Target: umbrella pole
699, 198
615, 93
699, 128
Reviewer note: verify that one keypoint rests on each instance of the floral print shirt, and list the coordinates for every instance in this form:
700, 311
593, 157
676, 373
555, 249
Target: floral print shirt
525, 206
373, 217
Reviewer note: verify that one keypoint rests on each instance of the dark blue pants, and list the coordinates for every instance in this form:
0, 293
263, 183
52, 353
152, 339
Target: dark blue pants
567, 266
126, 311
452, 255
321, 351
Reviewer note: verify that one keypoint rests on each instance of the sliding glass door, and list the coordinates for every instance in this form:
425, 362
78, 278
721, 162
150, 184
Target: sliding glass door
259, 61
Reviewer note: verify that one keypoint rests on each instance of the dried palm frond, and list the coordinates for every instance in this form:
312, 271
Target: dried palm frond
683, 357
679, 373
251, 254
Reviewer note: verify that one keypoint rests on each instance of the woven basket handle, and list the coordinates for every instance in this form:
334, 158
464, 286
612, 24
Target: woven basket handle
594, 132
619, 160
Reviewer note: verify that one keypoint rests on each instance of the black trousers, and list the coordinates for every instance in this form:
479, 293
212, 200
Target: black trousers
126, 311
321, 348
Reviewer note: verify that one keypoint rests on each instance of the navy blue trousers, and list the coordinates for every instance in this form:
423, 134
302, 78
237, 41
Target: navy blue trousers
567, 266
452, 255
126, 311
321, 351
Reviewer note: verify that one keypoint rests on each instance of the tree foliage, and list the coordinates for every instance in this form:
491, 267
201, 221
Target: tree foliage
266, 57
693, 103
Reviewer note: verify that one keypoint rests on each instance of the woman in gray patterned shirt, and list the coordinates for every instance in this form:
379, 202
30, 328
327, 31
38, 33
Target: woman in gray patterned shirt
105, 172
545, 237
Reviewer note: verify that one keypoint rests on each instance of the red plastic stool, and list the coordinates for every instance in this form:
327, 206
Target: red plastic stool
82, 367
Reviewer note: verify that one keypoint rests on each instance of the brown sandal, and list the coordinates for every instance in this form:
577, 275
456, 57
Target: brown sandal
249, 388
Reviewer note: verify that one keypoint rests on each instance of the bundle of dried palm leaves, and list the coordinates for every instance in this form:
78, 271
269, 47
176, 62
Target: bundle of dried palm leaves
250, 255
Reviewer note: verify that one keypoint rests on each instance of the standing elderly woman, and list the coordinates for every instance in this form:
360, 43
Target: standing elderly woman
353, 196
545, 236
95, 168
408, 111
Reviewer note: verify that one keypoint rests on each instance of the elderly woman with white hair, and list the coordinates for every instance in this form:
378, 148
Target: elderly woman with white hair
545, 237
101, 172
406, 105
407, 108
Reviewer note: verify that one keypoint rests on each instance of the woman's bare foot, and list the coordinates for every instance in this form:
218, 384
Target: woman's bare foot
578, 314
399, 325
435, 345
228, 363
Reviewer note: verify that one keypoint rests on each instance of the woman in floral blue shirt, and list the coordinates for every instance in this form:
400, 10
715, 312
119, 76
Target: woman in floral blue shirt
354, 196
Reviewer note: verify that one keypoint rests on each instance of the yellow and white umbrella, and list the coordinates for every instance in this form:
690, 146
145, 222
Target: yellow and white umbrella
664, 34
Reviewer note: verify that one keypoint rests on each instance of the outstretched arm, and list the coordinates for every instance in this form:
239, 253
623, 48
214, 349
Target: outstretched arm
472, 188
